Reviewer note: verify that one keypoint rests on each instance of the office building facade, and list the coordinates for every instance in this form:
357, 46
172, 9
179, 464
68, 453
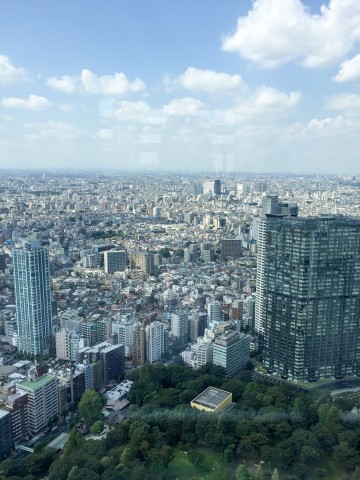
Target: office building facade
308, 296
154, 341
180, 327
5, 432
231, 350
43, 403
115, 261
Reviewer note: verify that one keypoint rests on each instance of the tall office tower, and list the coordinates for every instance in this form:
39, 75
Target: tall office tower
154, 341
89, 332
67, 344
139, 344
114, 261
143, 261
212, 186
33, 298
124, 330
231, 350
308, 296
249, 311
230, 247
197, 325
111, 357
103, 330
180, 327
271, 205
214, 312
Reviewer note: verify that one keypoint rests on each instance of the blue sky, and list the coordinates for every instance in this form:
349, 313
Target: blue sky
263, 86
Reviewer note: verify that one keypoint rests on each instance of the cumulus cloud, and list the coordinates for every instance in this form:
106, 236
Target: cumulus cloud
9, 73
269, 96
209, 81
278, 31
33, 102
89, 82
263, 104
138, 112
180, 107
347, 102
349, 70
117, 84
64, 84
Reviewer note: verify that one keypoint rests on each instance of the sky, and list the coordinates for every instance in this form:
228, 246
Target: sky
182, 85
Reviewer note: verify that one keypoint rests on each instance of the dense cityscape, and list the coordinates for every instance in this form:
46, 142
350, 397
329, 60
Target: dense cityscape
105, 272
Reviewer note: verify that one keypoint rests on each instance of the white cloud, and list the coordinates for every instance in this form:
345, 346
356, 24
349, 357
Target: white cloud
33, 102
9, 73
269, 96
64, 84
278, 31
347, 102
349, 70
209, 81
89, 82
263, 104
53, 129
116, 84
181, 107
139, 112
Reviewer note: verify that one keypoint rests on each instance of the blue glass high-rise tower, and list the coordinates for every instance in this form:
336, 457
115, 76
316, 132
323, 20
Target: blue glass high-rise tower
33, 298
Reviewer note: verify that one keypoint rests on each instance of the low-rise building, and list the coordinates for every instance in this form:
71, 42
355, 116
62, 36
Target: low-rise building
212, 400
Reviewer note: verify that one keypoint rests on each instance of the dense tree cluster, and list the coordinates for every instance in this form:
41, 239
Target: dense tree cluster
288, 435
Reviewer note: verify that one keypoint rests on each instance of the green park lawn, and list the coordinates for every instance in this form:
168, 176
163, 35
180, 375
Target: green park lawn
210, 467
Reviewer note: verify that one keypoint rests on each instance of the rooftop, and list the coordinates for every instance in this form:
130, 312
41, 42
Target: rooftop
211, 397
35, 384
59, 442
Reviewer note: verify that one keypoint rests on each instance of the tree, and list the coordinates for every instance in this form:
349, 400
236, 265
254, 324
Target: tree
97, 427
39, 463
242, 473
90, 406
10, 467
77, 473
275, 475
166, 454
346, 455
229, 453
75, 440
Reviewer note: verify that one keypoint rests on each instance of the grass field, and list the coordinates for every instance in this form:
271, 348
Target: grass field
210, 467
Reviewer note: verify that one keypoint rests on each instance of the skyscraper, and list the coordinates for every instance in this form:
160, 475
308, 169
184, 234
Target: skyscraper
154, 341
308, 296
180, 327
33, 298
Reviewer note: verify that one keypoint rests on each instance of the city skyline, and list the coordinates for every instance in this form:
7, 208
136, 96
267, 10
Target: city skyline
246, 86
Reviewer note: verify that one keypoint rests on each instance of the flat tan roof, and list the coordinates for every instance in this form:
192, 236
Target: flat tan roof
211, 397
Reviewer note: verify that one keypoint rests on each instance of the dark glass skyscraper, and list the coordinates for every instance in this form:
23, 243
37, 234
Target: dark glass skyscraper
308, 296
33, 298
